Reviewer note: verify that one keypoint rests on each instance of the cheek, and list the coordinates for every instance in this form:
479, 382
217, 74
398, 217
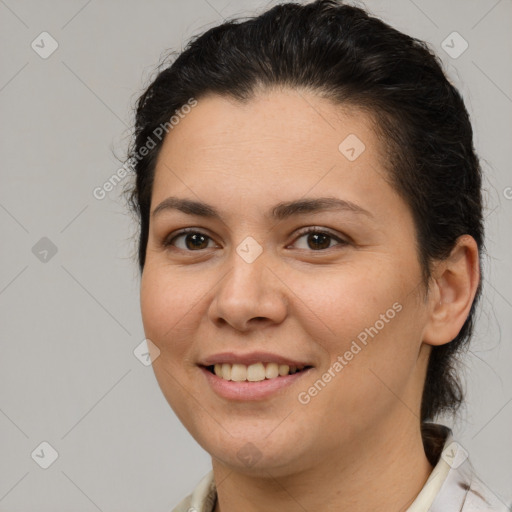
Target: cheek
373, 342
170, 319
167, 310
167, 305
352, 303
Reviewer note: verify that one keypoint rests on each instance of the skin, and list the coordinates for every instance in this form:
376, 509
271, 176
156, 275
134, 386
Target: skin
357, 444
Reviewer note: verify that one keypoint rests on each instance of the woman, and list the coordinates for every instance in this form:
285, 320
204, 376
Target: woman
311, 228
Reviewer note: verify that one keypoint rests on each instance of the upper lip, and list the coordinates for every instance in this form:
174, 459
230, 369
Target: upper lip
250, 358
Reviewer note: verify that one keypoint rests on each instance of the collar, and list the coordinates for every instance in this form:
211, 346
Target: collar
458, 488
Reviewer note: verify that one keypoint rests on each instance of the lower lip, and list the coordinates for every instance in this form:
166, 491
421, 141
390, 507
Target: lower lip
243, 391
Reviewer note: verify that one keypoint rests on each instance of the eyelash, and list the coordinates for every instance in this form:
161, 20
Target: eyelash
306, 231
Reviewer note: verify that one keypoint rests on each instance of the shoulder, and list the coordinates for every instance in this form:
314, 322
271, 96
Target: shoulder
480, 497
462, 489
454, 484
202, 498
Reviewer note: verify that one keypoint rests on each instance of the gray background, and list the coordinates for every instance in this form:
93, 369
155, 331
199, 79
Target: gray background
71, 321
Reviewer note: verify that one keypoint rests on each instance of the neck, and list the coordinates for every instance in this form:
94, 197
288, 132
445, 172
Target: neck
381, 471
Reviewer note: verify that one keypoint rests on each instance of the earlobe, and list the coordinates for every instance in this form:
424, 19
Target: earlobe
455, 282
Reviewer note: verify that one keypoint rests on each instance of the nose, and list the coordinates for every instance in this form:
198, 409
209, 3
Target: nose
251, 295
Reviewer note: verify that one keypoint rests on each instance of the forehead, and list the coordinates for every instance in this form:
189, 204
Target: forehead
279, 118
283, 137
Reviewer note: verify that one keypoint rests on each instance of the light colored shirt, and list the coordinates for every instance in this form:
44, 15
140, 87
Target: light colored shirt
453, 485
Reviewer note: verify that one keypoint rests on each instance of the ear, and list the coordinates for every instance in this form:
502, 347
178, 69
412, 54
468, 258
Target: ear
454, 284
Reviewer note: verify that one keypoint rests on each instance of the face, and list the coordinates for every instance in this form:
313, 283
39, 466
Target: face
334, 288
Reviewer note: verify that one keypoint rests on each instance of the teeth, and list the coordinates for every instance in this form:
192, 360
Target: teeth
254, 372
272, 370
238, 372
226, 371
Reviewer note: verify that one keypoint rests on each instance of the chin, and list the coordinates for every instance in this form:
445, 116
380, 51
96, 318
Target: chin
254, 451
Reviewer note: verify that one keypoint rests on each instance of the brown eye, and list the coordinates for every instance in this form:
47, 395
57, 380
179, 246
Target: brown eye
194, 240
318, 240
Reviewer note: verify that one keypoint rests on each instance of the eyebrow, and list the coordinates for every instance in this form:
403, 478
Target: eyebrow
280, 211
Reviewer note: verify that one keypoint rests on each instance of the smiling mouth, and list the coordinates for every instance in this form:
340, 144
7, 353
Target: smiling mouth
253, 373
